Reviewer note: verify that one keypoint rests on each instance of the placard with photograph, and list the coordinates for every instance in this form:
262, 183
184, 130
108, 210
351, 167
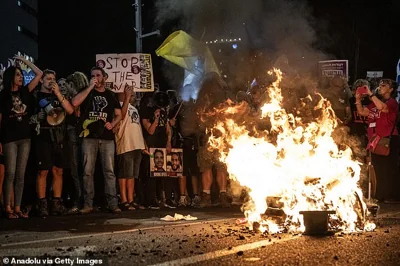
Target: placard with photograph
158, 162
175, 163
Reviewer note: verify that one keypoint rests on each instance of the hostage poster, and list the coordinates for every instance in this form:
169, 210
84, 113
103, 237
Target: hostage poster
127, 69
330, 68
175, 163
158, 162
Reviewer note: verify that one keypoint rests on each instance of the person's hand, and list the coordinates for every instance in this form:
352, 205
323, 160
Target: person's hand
116, 128
370, 93
145, 152
172, 122
128, 91
108, 126
157, 114
358, 97
20, 58
169, 147
93, 83
41, 115
55, 88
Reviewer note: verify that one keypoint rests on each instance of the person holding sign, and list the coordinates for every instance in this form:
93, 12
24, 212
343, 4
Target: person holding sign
100, 113
130, 144
158, 134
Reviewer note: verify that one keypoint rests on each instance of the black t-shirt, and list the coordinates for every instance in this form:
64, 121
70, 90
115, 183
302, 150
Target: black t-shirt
16, 108
100, 105
159, 138
186, 120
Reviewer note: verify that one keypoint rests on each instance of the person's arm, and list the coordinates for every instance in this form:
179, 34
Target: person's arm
128, 93
61, 98
169, 137
38, 73
81, 96
151, 127
381, 106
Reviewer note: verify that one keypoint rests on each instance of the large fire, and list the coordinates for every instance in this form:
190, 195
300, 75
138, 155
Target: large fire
296, 163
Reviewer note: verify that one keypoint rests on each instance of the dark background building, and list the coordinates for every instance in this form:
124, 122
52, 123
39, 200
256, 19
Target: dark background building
18, 28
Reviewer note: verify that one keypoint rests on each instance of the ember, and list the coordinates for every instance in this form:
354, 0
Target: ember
295, 162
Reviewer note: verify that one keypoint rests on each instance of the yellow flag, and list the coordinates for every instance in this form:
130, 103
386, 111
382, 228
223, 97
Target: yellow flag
182, 49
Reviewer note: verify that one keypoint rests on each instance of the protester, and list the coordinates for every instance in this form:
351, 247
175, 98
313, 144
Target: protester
15, 142
50, 141
74, 84
130, 144
100, 112
157, 133
381, 114
213, 92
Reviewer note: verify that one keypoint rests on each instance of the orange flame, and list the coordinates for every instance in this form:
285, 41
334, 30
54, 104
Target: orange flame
295, 162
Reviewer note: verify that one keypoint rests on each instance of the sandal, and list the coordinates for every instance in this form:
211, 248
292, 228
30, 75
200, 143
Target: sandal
22, 215
138, 206
11, 215
125, 206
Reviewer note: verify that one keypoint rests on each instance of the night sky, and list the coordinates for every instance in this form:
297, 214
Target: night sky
69, 38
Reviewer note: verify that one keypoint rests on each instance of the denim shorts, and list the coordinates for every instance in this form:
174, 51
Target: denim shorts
128, 164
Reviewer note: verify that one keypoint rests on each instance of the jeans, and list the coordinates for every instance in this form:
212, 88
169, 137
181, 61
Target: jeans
16, 156
74, 152
106, 148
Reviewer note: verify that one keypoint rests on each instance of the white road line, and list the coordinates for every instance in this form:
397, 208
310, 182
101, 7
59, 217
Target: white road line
110, 233
221, 253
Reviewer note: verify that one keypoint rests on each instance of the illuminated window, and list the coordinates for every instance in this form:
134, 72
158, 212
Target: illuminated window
27, 8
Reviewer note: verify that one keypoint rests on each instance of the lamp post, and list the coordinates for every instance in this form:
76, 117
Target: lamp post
138, 26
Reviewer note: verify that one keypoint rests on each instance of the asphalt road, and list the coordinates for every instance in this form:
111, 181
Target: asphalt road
141, 238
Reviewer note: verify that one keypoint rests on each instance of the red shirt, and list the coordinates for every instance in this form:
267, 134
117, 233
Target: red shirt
384, 122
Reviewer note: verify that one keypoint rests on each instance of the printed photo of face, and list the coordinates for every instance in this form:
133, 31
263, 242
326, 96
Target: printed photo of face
159, 160
175, 162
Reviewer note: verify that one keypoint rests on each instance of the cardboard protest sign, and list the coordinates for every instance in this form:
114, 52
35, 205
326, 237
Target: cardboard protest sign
127, 69
175, 163
330, 68
158, 162
374, 77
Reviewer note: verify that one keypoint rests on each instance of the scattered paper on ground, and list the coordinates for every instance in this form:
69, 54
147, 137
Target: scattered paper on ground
178, 217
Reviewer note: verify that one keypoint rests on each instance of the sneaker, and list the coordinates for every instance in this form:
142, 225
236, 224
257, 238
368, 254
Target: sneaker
169, 204
42, 208
115, 210
195, 201
223, 199
73, 210
57, 207
86, 210
205, 201
154, 205
182, 202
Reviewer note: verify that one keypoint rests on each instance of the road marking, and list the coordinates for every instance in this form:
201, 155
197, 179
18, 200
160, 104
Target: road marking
222, 252
110, 233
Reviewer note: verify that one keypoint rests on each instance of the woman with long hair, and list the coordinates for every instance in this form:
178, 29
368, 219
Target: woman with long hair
381, 114
15, 142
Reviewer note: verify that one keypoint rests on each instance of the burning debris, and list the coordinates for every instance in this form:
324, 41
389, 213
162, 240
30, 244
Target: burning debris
292, 167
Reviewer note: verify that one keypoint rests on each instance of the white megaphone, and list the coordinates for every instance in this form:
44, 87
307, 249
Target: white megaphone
55, 116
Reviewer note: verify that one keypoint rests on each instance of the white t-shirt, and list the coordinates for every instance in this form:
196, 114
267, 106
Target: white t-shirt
129, 136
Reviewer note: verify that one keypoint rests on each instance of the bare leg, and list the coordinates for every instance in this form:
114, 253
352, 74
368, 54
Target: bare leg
122, 189
57, 182
41, 184
130, 184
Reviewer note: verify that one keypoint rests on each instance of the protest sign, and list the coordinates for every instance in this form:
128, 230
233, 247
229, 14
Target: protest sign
373, 78
26, 71
330, 68
175, 163
127, 69
158, 162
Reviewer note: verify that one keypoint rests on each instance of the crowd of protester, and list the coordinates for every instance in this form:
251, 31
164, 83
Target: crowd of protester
71, 146
89, 147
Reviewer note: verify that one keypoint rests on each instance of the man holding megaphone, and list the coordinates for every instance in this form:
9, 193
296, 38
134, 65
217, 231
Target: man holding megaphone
52, 107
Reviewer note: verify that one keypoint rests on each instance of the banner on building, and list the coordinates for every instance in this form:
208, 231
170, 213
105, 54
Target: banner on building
127, 70
373, 78
330, 68
175, 163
